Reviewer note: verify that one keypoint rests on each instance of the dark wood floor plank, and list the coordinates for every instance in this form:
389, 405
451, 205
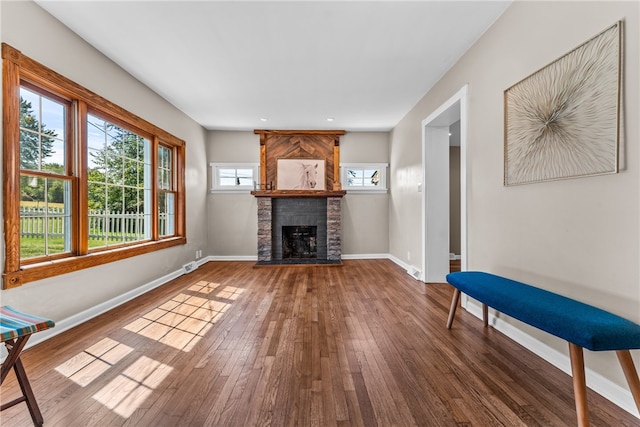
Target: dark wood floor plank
230, 344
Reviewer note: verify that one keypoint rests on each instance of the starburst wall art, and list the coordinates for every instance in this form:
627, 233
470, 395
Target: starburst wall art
563, 121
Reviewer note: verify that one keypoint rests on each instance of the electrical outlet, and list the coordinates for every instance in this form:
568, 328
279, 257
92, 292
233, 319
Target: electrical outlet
408, 255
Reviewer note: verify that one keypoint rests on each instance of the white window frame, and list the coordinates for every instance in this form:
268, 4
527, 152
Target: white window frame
216, 187
381, 188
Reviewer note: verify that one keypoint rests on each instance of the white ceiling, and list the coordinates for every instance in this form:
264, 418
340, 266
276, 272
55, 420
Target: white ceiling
227, 64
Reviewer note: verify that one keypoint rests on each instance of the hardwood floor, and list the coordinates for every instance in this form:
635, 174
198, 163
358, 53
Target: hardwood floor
230, 344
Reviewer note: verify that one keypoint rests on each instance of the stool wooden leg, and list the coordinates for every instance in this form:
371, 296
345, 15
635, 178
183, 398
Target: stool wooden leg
13, 361
30, 398
454, 305
15, 348
629, 369
579, 384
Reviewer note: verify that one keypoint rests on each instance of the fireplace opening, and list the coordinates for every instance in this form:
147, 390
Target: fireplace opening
299, 242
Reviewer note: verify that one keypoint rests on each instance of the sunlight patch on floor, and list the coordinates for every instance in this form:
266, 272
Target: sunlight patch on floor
184, 319
85, 367
230, 292
179, 322
128, 391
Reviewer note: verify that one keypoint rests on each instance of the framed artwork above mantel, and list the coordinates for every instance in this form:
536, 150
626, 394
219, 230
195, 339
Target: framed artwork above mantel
300, 174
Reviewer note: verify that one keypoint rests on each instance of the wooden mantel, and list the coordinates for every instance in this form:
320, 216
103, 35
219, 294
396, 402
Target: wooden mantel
298, 193
299, 144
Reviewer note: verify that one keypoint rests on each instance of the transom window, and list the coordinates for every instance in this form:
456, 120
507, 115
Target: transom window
239, 177
82, 177
364, 177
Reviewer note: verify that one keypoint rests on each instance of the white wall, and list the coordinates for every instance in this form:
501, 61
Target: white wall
233, 217
577, 237
28, 28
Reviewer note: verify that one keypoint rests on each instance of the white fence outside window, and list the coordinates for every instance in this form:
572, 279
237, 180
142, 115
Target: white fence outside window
34, 222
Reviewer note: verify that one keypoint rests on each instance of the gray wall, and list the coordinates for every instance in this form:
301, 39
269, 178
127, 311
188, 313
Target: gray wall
365, 217
232, 230
577, 237
28, 28
233, 218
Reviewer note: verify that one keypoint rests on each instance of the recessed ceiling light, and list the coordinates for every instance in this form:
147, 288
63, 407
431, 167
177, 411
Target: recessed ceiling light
264, 119
330, 119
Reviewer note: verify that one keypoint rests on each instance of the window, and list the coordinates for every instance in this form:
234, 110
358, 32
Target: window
233, 177
166, 192
119, 184
45, 188
364, 177
83, 177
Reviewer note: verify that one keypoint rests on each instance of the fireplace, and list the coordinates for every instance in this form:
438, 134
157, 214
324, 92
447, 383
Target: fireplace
299, 242
312, 211
316, 220
303, 212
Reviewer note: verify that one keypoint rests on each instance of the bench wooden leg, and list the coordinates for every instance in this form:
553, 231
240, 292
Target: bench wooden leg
485, 315
629, 369
579, 384
454, 305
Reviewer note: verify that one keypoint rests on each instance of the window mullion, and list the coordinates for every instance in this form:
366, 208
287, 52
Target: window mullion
179, 172
81, 199
155, 209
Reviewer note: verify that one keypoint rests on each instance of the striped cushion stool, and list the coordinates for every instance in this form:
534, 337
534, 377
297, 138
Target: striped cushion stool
15, 329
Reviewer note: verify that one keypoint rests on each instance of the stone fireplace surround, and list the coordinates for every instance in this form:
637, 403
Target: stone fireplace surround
313, 210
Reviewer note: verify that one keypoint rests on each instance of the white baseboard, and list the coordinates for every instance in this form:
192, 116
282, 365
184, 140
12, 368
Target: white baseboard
232, 258
609, 390
411, 270
365, 256
398, 262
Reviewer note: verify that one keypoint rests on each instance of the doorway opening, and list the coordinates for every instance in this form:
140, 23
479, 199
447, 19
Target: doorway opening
436, 207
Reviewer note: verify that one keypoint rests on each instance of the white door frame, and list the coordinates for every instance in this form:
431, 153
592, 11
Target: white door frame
438, 213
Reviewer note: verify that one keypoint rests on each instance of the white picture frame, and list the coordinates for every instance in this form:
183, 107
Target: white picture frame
300, 174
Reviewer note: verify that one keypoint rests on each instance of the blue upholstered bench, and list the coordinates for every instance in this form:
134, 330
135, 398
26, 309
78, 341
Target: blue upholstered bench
580, 324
